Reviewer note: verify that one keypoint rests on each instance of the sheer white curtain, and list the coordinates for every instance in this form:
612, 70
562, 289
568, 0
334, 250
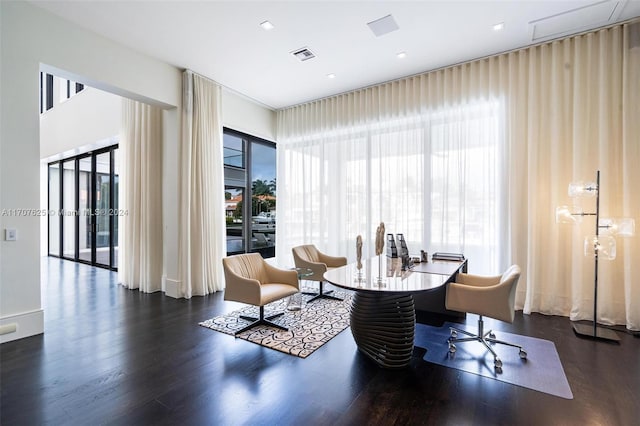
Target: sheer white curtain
474, 158
202, 220
431, 175
140, 192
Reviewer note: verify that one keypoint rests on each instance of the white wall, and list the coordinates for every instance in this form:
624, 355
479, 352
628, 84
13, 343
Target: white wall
244, 115
88, 117
33, 40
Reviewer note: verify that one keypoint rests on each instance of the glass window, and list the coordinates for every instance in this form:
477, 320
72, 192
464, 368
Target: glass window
234, 219
69, 209
250, 174
84, 192
263, 198
116, 217
233, 150
54, 209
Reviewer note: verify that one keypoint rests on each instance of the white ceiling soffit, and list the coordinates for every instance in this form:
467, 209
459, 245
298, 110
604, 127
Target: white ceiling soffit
573, 21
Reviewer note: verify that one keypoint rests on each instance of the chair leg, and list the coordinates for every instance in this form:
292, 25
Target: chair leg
322, 295
262, 320
485, 339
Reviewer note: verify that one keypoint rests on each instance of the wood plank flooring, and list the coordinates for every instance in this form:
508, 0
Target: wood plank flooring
115, 356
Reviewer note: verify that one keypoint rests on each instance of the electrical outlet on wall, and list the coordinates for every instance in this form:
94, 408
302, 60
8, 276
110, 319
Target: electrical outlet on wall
10, 234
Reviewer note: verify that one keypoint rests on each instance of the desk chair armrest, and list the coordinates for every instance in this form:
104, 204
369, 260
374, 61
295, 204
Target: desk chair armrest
332, 261
246, 290
281, 276
318, 268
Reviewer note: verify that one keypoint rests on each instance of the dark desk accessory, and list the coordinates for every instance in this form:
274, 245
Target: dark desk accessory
403, 250
448, 256
407, 263
424, 256
392, 250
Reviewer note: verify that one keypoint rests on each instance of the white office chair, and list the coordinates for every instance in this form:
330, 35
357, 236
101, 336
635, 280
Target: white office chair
482, 295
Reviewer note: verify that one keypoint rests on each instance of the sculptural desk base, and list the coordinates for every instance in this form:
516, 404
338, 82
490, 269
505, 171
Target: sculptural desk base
383, 326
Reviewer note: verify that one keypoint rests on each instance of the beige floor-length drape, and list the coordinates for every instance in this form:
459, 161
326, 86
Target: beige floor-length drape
568, 108
140, 187
202, 221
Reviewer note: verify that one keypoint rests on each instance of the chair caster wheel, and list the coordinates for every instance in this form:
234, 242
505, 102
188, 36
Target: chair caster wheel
492, 335
497, 364
452, 348
454, 334
523, 354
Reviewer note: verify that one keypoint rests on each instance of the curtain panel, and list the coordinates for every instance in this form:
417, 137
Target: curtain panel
140, 192
475, 158
202, 218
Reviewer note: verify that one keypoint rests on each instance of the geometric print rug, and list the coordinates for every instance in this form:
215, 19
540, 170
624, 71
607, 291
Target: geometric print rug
309, 328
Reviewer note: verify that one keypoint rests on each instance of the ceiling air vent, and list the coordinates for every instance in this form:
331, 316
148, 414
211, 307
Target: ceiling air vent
303, 54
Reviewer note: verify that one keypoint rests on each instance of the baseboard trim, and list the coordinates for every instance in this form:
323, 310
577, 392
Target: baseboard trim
25, 324
171, 287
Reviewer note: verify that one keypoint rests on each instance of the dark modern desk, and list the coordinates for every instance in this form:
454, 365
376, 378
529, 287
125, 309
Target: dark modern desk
383, 317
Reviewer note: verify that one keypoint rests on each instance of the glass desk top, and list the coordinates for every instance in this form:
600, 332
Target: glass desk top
427, 276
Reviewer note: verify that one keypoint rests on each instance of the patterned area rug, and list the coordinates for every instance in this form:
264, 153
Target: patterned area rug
309, 328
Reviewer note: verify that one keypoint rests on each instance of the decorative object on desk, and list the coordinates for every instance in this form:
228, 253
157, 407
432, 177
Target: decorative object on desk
403, 250
380, 234
598, 245
359, 276
448, 256
380, 239
392, 250
308, 329
424, 256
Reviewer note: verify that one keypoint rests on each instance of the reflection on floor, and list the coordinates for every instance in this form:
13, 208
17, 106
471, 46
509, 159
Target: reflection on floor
115, 356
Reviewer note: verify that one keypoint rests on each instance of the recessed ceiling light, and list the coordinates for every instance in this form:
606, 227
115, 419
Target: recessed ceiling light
266, 25
331, 76
498, 27
401, 55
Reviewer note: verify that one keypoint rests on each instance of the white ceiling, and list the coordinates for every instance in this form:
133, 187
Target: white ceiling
224, 41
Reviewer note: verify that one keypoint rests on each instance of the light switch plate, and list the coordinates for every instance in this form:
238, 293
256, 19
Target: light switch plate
10, 234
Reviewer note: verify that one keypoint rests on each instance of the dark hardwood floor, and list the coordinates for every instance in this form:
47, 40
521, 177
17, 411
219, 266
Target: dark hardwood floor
115, 356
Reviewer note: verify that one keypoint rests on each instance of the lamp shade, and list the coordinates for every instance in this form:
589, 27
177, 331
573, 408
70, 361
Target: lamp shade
583, 189
603, 245
624, 227
565, 215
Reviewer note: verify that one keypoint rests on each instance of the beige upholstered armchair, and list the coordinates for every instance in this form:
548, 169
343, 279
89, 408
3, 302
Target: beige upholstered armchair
249, 279
485, 296
308, 256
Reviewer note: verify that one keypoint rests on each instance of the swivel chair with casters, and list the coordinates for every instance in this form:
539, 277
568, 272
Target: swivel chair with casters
251, 280
493, 297
309, 257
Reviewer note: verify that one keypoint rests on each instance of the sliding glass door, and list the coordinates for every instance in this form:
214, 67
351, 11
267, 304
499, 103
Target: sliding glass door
84, 198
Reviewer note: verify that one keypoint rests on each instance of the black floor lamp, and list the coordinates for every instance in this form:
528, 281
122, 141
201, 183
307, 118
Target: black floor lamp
598, 245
